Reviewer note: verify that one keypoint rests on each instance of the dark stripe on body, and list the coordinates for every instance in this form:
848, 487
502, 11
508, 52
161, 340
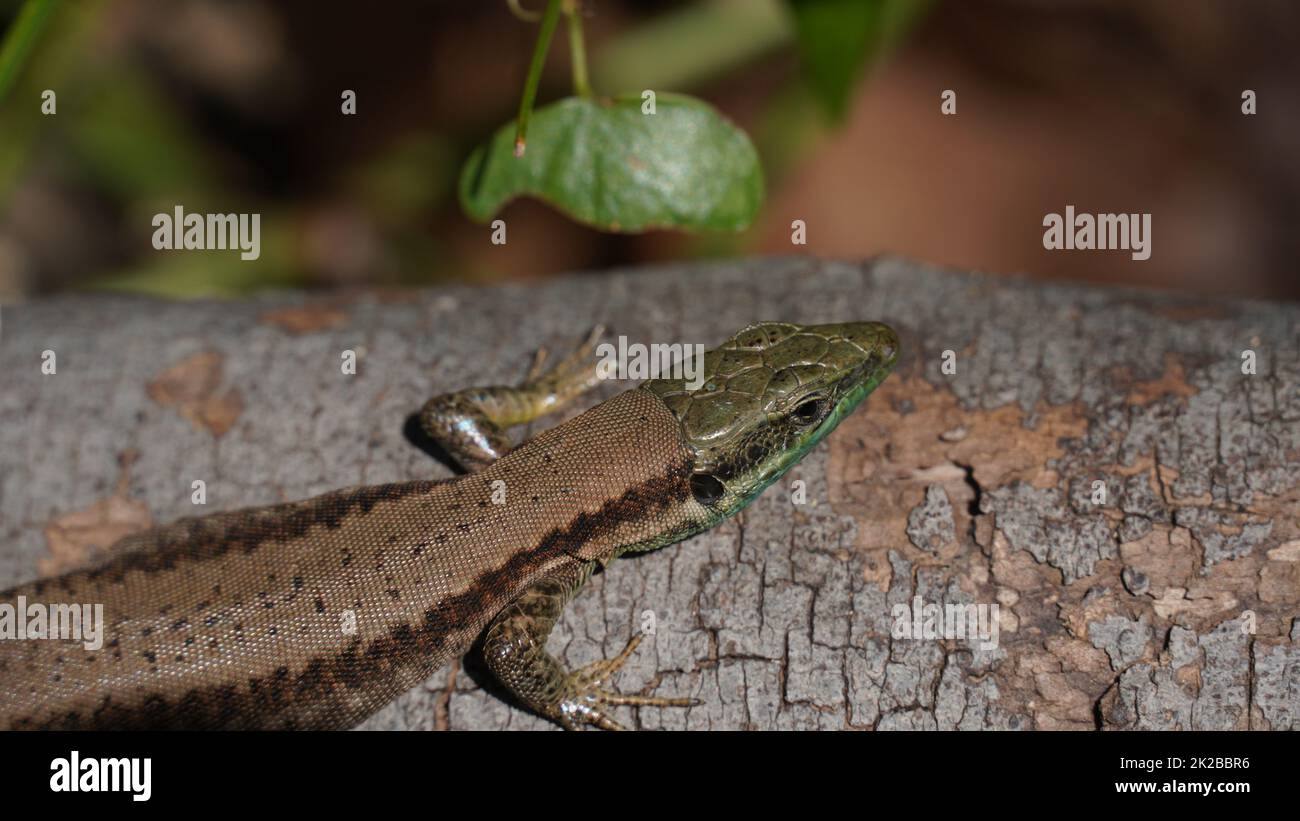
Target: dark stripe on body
200, 539
341, 690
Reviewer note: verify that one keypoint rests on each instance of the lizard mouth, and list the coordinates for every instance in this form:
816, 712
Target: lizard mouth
855, 386
849, 392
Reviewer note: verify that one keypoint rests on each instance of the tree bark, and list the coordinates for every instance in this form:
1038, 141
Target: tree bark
1096, 463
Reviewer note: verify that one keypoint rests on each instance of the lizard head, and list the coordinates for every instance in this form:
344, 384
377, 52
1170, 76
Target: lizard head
768, 395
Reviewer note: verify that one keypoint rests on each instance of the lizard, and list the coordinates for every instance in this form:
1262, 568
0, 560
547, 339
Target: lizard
239, 620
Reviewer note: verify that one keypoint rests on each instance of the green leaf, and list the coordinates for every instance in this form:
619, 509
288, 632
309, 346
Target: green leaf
838, 37
606, 164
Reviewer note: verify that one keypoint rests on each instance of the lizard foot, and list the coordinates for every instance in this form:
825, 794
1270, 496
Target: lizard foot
584, 698
571, 368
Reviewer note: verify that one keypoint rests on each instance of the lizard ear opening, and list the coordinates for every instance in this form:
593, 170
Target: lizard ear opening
706, 488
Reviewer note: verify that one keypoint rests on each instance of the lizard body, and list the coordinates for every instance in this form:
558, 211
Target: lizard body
315, 614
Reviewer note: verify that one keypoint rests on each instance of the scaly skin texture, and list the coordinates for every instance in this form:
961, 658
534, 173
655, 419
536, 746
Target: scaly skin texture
318, 613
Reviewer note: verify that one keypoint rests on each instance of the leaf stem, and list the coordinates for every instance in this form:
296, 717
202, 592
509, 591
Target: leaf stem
577, 49
549, 19
522, 13
22, 37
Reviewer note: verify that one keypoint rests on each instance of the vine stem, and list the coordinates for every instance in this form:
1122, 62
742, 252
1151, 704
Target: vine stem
577, 49
549, 20
522, 13
22, 37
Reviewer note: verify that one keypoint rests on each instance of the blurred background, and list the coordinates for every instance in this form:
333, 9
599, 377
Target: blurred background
234, 106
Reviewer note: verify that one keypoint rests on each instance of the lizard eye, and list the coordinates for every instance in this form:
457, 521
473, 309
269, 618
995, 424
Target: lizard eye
706, 488
808, 412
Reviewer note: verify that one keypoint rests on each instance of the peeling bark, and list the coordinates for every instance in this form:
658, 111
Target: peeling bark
1172, 604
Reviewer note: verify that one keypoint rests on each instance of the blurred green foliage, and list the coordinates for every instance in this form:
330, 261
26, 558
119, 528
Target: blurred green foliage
25, 30
838, 37
134, 145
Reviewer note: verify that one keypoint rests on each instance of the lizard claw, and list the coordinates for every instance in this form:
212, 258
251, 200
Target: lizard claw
575, 374
535, 370
584, 699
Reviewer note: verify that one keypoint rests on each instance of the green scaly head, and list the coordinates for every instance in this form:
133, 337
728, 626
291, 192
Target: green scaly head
770, 393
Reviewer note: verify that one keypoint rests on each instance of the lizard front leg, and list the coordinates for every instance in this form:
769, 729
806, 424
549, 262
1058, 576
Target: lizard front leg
515, 650
470, 424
